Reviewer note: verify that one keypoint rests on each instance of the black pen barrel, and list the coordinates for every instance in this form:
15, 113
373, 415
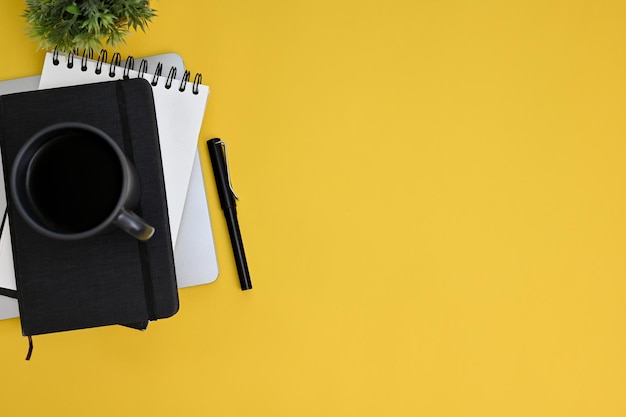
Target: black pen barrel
217, 150
239, 253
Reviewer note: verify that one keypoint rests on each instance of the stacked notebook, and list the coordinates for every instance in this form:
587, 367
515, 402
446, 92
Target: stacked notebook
111, 278
178, 110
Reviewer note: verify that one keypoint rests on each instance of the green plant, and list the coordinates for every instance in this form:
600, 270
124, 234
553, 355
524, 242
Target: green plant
85, 25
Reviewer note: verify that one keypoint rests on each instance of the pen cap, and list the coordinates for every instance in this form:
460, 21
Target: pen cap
220, 170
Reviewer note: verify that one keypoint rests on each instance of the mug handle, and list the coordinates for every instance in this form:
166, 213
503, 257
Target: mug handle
133, 225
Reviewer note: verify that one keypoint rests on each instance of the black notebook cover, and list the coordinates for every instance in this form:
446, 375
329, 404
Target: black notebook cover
111, 278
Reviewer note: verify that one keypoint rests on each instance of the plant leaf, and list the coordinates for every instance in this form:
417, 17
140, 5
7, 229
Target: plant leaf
73, 9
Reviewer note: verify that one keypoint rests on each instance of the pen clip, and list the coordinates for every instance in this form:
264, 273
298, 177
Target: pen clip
230, 184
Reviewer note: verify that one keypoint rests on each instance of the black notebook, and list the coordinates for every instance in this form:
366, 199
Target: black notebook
111, 278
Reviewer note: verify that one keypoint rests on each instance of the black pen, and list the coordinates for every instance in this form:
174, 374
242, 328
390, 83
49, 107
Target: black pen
217, 152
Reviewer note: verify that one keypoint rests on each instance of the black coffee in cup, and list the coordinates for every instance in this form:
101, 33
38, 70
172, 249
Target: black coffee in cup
74, 181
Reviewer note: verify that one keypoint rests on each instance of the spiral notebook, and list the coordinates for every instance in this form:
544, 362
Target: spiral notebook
194, 251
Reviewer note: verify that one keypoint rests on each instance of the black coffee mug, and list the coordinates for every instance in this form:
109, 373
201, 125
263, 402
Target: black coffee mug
72, 181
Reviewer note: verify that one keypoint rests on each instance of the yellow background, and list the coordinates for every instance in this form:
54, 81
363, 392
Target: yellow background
432, 204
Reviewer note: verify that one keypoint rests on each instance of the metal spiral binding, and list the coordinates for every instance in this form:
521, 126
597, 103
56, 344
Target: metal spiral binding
143, 68
87, 55
170, 78
70, 59
128, 65
157, 74
102, 58
197, 80
184, 81
116, 61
